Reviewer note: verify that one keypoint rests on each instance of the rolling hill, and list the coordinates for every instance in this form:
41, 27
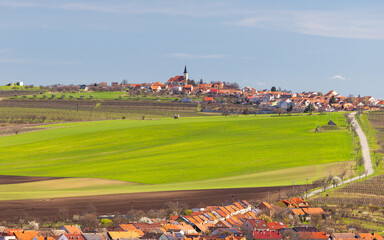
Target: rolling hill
169, 154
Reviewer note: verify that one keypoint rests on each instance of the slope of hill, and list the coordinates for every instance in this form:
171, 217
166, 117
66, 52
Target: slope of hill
188, 153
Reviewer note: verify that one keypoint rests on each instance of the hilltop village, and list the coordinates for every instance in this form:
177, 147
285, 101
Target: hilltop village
287, 219
252, 100
220, 97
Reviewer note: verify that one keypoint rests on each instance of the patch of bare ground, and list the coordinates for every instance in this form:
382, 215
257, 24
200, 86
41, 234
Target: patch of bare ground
13, 129
123, 203
10, 179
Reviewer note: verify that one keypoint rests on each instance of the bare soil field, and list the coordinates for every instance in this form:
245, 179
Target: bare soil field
53, 209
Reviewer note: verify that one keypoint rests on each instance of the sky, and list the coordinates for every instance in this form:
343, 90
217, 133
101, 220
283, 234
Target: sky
302, 45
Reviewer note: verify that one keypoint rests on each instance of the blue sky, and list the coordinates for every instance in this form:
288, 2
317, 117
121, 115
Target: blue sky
297, 45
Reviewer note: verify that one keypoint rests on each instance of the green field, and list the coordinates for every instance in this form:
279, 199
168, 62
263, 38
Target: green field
168, 154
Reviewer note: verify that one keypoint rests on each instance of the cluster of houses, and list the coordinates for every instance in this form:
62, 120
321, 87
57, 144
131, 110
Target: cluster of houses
299, 102
267, 99
272, 99
235, 221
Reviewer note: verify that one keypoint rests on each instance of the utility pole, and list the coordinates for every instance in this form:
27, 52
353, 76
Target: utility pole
293, 187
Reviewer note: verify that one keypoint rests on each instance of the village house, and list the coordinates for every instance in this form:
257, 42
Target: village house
71, 236
71, 229
264, 234
251, 225
7, 236
179, 80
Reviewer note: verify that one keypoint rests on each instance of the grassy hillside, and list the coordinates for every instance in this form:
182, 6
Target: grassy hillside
171, 151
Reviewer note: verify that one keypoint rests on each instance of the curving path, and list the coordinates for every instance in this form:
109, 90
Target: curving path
366, 157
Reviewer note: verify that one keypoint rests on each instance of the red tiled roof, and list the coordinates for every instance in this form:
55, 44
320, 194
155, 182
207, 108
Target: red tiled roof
72, 229
258, 223
313, 235
276, 225
177, 79
74, 236
267, 235
370, 236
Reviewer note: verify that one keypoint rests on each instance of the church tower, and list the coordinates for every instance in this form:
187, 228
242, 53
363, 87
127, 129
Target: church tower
186, 75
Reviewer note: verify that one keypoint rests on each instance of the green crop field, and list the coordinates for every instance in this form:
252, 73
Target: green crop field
169, 154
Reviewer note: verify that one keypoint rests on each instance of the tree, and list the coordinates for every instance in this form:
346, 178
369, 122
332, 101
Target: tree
280, 111
273, 89
332, 100
89, 221
192, 82
201, 81
106, 222
360, 161
310, 108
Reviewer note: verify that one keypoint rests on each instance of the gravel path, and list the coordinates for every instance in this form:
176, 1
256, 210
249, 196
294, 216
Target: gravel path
365, 153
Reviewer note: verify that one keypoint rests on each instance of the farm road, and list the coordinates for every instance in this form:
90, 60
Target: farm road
366, 157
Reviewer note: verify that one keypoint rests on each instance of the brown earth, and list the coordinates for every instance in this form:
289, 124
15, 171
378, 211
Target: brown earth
9, 179
53, 209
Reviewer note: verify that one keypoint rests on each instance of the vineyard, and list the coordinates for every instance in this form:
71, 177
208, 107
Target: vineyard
14, 93
25, 111
361, 203
363, 193
376, 119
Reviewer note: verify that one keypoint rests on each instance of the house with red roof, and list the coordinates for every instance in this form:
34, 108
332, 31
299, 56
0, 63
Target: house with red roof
251, 225
370, 236
25, 235
179, 80
71, 236
71, 229
7, 236
313, 235
208, 99
276, 225
267, 234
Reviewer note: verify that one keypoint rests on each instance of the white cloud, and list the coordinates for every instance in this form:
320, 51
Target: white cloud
338, 24
338, 77
362, 23
195, 56
170, 7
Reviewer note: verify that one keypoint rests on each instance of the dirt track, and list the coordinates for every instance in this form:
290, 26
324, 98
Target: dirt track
122, 203
4, 179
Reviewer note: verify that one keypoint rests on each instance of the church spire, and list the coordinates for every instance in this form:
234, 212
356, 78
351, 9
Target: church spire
185, 75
